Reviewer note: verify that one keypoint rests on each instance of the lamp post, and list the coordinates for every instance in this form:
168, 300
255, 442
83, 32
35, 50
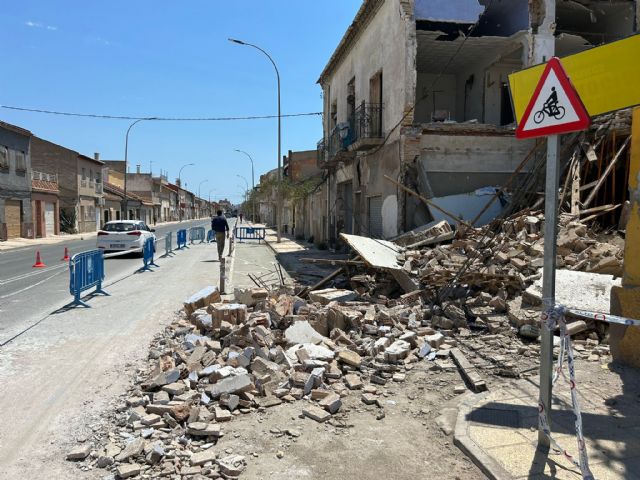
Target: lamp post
199, 185
126, 161
253, 185
180, 186
247, 189
210, 210
278, 192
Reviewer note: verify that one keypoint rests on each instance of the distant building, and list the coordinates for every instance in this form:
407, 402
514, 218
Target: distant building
16, 217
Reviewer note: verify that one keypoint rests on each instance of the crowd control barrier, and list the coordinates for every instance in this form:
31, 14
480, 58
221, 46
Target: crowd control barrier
168, 244
197, 233
181, 239
250, 233
147, 254
211, 236
86, 271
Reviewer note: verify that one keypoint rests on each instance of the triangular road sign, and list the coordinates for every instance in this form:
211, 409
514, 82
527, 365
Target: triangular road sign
555, 106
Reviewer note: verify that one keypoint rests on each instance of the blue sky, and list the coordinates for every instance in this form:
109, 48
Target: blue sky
161, 58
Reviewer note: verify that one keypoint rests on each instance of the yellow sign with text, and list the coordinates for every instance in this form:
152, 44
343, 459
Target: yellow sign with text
607, 78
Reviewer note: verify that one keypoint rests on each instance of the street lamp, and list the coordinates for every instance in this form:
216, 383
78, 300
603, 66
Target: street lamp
199, 198
180, 186
253, 184
126, 152
278, 192
210, 212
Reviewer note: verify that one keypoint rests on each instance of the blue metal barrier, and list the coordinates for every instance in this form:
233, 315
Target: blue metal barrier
86, 270
181, 239
211, 236
147, 254
250, 233
168, 244
197, 233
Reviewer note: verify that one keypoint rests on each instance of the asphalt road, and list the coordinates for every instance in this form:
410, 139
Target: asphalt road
28, 294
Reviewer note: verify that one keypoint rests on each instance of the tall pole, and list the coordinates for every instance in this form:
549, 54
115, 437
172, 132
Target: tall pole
180, 187
278, 188
210, 209
253, 187
543, 50
199, 198
125, 200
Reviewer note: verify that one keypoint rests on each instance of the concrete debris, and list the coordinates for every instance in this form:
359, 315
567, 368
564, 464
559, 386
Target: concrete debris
221, 360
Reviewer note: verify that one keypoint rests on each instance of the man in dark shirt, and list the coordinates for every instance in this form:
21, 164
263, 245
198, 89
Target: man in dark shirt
221, 228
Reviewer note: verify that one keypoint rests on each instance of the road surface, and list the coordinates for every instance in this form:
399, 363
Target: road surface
28, 294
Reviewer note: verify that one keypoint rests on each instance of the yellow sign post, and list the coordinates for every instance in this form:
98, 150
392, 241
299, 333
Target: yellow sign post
606, 78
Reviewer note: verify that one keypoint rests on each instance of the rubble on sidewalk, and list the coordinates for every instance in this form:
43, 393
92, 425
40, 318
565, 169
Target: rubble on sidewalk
225, 358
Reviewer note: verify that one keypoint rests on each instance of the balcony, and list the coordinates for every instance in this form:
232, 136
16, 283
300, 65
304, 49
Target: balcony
365, 127
362, 132
334, 148
99, 189
44, 177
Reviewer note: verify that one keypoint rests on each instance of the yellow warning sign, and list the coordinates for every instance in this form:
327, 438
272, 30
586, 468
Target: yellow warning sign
606, 78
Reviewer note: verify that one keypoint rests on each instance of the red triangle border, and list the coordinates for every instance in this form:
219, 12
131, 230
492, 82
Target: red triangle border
584, 120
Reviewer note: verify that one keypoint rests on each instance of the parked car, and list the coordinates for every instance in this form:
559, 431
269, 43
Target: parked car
124, 235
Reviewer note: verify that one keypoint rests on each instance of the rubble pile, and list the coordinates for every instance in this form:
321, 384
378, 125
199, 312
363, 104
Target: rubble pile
236, 357
487, 274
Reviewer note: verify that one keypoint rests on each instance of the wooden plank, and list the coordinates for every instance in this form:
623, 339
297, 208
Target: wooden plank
425, 200
575, 187
330, 261
606, 173
430, 241
468, 371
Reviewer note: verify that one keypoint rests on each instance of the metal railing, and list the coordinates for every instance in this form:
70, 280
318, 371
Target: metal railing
148, 249
45, 177
86, 271
250, 233
168, 244
366, 122
181, 239
197, 233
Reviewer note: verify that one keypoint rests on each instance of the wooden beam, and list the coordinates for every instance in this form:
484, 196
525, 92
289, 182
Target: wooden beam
426, 200
606, 173
468, 371
575, 186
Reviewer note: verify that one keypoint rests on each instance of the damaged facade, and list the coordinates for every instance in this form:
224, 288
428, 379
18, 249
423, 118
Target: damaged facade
430, 107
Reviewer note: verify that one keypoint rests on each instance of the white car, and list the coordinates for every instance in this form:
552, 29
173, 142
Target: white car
124, 235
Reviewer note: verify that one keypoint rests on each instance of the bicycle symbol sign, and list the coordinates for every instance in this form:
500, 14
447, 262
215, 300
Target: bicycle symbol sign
554, 107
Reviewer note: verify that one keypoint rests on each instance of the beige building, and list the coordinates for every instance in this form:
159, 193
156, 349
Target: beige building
417, 90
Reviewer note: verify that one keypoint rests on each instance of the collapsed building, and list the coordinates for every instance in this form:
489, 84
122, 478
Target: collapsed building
430, 108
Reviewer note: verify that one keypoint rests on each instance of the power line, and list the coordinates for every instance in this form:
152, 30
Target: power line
173, 119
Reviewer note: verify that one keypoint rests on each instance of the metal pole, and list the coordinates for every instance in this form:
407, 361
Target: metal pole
253, 186
549, 276
278, 188
125, 202
543, 50
180, 187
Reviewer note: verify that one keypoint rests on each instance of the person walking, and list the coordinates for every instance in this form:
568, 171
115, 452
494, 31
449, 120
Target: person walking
221, 228
240, 218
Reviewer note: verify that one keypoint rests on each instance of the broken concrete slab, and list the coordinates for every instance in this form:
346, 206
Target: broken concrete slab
316, 413
79, 453
328, 295
302, 332
201, 299
579, 290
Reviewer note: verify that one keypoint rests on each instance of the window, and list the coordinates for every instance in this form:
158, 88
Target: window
4, 158
21, 161
91, 177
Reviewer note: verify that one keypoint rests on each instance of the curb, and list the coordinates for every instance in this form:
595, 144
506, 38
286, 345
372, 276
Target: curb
490, 467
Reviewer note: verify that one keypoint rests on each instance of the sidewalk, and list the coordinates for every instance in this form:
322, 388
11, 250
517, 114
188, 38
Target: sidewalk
290, 251
498, 430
